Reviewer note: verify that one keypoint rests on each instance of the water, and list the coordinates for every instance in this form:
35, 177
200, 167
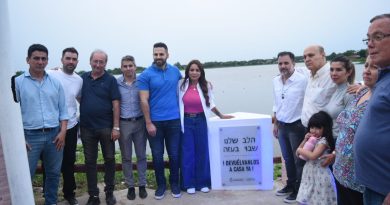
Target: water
247, 89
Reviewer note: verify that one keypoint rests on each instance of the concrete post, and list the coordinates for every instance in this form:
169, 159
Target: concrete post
11, 129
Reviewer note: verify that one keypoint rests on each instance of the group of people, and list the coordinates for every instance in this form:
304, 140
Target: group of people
333, 134
158, 106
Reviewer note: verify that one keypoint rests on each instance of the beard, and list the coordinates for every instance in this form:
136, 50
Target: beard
160, 62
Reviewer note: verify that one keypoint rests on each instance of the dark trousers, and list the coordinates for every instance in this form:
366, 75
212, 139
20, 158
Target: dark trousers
67, 168
290, 136
168, 131
90, 139
347, 196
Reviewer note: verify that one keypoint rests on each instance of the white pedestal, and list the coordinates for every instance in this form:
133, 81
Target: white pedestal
241, 152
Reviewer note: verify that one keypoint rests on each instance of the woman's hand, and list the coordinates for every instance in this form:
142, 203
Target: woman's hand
222, 116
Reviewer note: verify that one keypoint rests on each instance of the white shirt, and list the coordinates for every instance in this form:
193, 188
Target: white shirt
207, 110
288, 97
319, 90
72, 87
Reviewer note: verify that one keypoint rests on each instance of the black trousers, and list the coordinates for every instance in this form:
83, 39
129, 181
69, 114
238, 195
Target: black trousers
347, 196
67, 169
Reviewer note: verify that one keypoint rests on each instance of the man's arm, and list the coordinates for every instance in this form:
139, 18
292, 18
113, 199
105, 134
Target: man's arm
60, 138
144, 96
115, 134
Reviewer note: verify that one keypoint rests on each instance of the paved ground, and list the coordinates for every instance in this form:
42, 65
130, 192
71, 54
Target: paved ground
212, 198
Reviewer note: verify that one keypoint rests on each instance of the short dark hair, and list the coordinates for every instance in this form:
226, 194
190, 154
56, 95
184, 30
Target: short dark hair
287, 53
160, 45
36, 47
70, 50
380, 17
128, 58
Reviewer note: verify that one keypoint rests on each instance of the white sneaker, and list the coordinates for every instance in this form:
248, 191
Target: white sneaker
205, 189
191, 191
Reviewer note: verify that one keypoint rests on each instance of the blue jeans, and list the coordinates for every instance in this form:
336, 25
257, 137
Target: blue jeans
170, 132
371, 197
290, 135
90, 139
42, 142
195, 160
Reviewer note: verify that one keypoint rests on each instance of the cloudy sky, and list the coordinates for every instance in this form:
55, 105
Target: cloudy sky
208, 30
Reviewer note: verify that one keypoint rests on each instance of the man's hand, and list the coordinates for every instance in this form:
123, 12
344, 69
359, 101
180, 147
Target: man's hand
28, 147
60, 140
328, 159
275, 130
115, 134
151, 129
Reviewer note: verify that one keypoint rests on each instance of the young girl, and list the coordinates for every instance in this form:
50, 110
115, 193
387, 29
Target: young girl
317, 184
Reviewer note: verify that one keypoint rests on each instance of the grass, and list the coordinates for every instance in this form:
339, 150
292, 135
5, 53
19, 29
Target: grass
81, 178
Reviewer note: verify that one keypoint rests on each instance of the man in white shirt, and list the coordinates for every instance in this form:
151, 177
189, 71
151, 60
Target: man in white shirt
320, 86
72, 83
289, 90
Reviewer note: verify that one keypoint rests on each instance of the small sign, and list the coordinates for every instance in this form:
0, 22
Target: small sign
240, 155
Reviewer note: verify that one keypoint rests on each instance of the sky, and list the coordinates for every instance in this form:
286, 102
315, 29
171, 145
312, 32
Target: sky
208, 30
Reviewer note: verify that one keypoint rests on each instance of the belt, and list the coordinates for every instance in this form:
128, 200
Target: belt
46, 129
132, 118
289, 124
194, 114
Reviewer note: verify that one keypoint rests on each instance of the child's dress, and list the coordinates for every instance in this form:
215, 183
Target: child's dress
317, 184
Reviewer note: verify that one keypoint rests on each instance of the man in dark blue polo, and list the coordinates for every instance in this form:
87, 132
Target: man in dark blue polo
160, 105
45, 118
99, 122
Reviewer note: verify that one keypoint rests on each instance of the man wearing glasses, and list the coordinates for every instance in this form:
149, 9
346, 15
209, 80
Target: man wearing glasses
372, 141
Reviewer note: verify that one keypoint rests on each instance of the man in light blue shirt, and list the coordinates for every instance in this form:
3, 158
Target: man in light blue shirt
45, 118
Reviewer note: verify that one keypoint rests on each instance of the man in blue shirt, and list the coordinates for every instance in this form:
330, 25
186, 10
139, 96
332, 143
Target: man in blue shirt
99, 122
372, 140
45, 118
159, 103
132, 128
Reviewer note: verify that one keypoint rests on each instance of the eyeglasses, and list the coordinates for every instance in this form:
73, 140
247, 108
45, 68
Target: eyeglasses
376, 37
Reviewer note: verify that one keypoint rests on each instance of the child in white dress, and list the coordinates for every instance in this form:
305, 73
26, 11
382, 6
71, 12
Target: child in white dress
317, 184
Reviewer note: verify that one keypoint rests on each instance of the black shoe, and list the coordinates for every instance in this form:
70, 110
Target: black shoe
285, 191
110, 198
93, 200
291, 198
71, 200
131, 193
142, 192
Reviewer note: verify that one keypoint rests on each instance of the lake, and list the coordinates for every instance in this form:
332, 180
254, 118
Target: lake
248, 89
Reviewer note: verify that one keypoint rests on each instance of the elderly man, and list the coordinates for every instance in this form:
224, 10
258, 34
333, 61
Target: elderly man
372, 141
289, 90
99, 122
320, 86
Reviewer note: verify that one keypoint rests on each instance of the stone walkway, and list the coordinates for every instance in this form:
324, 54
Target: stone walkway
213, 198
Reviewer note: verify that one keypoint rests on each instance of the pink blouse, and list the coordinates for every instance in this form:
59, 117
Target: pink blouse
191, 100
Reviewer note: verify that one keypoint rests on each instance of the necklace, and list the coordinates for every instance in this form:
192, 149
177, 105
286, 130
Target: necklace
193, 87
284, 91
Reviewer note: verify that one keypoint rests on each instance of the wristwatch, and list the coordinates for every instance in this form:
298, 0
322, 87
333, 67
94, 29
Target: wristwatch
116, 128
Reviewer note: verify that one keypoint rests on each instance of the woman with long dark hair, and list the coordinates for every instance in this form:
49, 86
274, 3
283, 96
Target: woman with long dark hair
196, 103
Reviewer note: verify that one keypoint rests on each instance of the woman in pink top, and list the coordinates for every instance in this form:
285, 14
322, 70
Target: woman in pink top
196, 102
